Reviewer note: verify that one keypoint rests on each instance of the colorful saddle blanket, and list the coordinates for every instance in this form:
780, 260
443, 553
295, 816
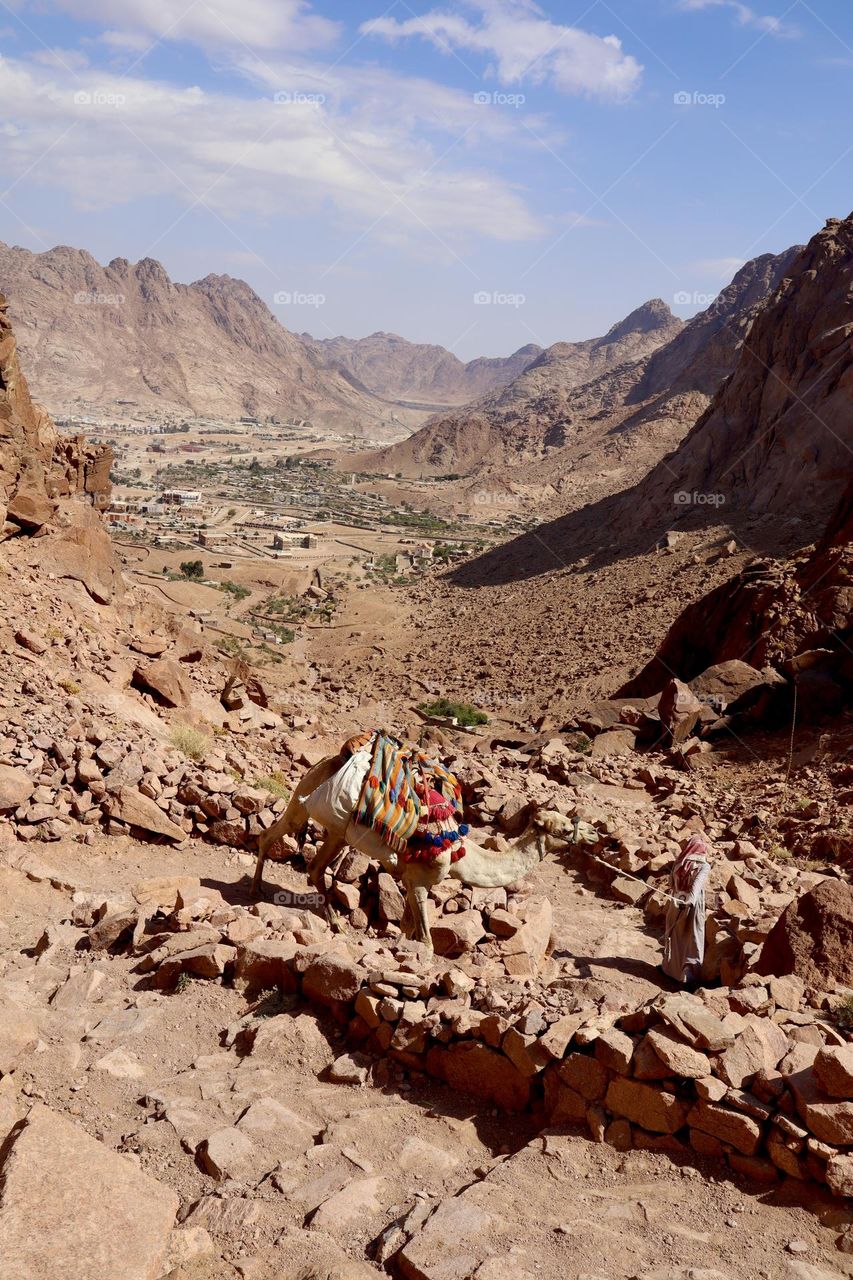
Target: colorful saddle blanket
408, 799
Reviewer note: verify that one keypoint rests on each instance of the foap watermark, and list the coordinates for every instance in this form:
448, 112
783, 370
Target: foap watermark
698, 99
288, 99
684, 298
494, 299
287, 898
84, 299
284, 298
684, 499
99, 98
495, 498
489, 699
484, 99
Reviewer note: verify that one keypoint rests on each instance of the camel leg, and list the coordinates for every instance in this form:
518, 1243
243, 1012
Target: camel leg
295, 816
330, 851
417, 894
265, 842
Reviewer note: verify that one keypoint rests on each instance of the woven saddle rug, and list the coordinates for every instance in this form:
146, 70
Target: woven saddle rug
411, 801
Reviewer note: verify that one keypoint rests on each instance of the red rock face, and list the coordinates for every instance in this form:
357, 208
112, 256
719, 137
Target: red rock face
37, 468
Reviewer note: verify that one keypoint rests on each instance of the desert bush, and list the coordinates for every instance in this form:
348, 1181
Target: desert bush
463, 713
190, 741
274, 784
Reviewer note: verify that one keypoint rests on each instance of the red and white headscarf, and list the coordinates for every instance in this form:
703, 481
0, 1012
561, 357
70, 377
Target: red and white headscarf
688, 864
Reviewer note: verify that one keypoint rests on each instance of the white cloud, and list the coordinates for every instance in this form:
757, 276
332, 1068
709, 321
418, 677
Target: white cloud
719, 268
110, 139
211, 24
524, 45
746, 17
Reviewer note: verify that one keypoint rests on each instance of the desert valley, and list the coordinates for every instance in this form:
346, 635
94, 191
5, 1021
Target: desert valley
606, 585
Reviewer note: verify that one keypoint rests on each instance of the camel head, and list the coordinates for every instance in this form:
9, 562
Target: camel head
556, 831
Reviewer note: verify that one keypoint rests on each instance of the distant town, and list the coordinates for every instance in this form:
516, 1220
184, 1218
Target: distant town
240, 520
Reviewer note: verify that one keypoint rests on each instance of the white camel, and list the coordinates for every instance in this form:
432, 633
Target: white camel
548, 830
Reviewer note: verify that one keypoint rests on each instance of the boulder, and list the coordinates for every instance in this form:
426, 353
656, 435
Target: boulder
166, 681
31, 510
332, 979
677, 1056
728, 686
392, 904
760, 1046
266, 962
266, 1118
738, 1130
585, 1075
614, 1050
70, 1207
347, 1208
645, 1105
84, 553
137, 810
813, 938
477, 1070
679, 710
839, 1174
227, 1153
833, 1070
614, 742
16, 787
524, 952
695, 1023
455, 934
829, 1119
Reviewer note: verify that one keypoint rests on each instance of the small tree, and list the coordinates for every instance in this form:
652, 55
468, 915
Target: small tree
192, 569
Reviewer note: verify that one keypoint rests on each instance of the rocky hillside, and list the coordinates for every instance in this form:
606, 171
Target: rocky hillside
529, 417
769, 613
395, 369
126, 332
776, 440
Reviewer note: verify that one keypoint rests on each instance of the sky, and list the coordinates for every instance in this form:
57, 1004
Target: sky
478, 173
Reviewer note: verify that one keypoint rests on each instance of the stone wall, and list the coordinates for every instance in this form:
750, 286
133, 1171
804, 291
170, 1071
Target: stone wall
751, 1075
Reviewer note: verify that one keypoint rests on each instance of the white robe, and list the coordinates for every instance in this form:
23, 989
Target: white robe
684, 940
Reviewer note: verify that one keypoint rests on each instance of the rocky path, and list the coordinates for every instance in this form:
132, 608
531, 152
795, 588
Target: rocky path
287, 1163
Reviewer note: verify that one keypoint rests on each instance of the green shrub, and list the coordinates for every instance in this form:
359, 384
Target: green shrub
235, 589
463, 712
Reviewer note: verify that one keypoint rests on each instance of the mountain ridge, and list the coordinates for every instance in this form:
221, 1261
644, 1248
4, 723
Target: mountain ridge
126, 331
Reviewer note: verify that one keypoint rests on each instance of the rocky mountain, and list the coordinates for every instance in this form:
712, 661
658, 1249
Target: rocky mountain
776, 441
532, 415
704, 352
391, 367
126, 332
